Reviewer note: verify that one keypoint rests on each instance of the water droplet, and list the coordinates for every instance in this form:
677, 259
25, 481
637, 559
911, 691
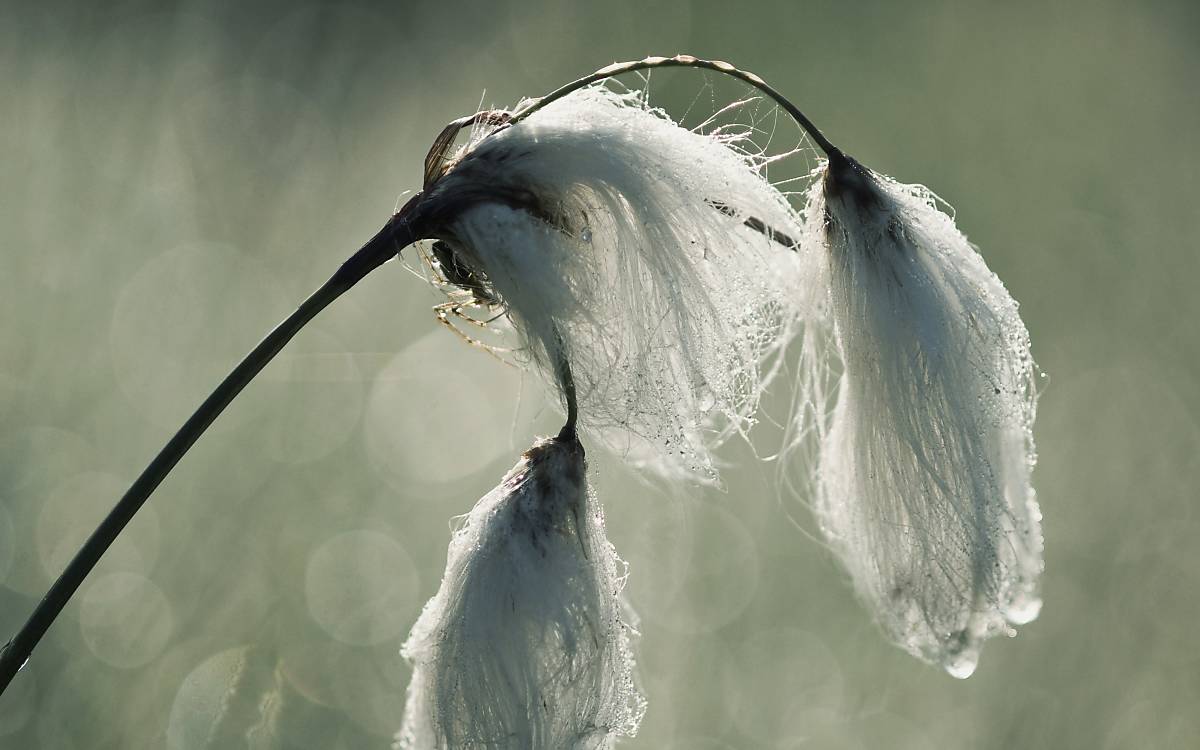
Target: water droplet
963, 665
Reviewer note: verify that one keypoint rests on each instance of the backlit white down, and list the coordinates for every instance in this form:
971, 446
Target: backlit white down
922, 481
640, 269
526, 645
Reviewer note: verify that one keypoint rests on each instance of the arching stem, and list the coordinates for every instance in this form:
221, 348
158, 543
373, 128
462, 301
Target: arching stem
684, 61
400, 231
434, 162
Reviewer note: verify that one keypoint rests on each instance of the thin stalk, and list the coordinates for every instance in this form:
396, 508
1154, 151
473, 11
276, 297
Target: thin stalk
566, 380
684, 61
398, 233
435, 160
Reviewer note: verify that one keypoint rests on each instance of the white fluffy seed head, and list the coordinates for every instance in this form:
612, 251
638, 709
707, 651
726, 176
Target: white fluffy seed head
921, 481
526, 644
622, 245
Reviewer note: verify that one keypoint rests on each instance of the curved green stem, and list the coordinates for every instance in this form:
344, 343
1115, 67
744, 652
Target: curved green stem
398, 233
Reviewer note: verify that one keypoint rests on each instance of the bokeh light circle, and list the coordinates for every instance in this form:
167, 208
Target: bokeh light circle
8, 543
73, 510
793, 673
361, 587
232, 698
180, 324
694, 566
125, 620
19, 703
440, 410
316, 398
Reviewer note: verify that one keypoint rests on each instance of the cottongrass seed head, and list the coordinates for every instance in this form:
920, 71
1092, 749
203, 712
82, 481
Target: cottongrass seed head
526, 644
647, 270
921, 481
621, 246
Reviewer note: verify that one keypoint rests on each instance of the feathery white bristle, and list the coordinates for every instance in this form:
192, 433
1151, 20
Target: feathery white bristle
640, 269
526, 644
922, 477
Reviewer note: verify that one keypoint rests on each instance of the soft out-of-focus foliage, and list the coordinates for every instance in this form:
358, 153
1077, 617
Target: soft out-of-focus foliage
175, 180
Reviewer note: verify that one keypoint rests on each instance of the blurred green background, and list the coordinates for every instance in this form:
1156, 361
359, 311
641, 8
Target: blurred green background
174, 180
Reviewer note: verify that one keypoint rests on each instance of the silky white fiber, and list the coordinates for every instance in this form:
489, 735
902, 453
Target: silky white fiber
922, 472
526, 645
636, 265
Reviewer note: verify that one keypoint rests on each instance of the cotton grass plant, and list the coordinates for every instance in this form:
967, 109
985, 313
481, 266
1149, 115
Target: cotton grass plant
922, 473
659, 284
614, 259
527, 642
